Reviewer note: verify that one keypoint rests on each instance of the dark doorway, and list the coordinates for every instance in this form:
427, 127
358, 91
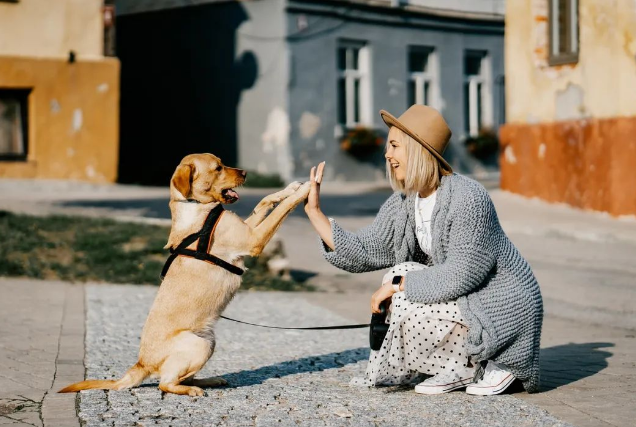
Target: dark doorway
180, 86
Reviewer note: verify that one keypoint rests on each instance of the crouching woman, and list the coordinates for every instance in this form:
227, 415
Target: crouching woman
466, 309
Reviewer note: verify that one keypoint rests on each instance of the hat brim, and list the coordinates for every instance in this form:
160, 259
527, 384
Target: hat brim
391, 120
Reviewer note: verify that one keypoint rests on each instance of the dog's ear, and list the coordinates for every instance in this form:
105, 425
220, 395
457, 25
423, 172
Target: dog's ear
182, 179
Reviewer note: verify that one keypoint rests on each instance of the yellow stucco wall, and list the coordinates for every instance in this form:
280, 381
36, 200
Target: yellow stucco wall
73, 117
51, 28
601, 85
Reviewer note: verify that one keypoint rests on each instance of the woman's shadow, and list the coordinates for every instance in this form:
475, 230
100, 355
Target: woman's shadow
567, 363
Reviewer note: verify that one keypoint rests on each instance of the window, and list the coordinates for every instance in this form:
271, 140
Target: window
422, 86
563, 31
108, 11
13, 124
354, 95
477, 92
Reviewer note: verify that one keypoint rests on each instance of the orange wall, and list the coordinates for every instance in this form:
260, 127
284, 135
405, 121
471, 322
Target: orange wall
590, 164
73, 118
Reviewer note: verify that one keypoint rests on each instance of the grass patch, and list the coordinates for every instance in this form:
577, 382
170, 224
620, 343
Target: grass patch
79, 249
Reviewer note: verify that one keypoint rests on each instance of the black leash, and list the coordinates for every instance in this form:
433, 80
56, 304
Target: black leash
201, 253
315, 328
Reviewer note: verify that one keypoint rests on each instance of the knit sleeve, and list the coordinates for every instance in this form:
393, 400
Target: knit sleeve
368, 249
470, 254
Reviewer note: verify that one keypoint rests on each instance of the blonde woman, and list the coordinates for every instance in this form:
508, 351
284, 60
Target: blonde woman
466, 309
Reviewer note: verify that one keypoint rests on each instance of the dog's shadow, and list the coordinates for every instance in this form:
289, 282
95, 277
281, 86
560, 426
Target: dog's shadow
299, 366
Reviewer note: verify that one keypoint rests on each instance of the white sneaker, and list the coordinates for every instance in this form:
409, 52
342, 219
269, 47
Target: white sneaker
496, 379
444, 382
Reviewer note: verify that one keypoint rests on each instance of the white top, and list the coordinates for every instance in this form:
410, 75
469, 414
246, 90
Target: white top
423, 211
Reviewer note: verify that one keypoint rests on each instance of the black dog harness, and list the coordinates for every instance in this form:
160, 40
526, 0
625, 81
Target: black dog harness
204, 236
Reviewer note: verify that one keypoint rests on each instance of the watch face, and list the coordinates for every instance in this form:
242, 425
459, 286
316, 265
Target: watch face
397, 280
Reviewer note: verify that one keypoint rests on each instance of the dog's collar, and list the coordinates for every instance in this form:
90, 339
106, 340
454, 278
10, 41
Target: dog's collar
189, 201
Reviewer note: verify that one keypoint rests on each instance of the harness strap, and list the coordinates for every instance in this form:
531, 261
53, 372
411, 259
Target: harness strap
203, 246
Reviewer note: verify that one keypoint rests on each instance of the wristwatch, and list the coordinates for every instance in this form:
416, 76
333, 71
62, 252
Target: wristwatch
397, 281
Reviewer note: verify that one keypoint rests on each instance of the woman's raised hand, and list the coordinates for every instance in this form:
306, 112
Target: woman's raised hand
312, 203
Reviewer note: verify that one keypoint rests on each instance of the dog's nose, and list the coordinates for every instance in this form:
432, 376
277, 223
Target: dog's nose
244, 173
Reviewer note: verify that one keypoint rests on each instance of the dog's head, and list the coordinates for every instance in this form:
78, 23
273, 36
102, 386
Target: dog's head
204, 178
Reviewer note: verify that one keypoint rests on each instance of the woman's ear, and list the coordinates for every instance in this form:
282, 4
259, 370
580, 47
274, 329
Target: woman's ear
182, 179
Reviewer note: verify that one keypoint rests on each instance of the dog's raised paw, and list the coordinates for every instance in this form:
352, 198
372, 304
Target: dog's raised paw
294, 185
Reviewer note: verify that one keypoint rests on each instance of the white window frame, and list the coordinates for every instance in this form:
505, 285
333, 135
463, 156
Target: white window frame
362, 75
483, 79
430, 76
556, 57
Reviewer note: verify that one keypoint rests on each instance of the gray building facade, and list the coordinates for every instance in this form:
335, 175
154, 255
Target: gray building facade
311, 71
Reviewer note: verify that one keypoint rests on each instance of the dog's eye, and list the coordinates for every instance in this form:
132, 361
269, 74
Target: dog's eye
218, 168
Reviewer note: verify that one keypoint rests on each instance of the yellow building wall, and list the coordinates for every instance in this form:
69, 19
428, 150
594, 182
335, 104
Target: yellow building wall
601, 85
570, 135
73, 107
51, 28
73, 118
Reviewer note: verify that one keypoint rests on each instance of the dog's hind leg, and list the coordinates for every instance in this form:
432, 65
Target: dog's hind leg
190, 353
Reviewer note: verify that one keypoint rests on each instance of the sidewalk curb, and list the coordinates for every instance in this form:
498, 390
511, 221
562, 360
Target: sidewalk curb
61, 409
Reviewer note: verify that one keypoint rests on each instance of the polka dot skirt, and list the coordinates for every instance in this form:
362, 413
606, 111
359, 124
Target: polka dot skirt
422, 339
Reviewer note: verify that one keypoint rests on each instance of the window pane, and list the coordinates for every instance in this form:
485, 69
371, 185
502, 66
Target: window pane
342, 102
466, 107
410, 93
479, 105
355, 53
418, 61
356, 101
472, 63
342, 58
426, 99
563, 26
11, 136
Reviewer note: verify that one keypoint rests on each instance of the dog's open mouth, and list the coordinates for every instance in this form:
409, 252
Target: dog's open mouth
230, 195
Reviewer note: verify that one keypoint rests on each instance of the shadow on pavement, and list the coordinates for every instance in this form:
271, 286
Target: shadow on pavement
367, 204
567, 363
300, 366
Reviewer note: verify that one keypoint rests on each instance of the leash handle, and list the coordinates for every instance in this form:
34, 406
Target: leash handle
314, 328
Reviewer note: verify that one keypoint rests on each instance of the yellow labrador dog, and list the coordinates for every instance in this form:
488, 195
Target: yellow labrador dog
178, 337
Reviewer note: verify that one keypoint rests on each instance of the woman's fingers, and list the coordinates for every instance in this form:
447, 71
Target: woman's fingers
319, 171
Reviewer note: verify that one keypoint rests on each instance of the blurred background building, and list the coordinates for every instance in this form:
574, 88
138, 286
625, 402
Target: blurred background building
571, 103
59, 94
276, 86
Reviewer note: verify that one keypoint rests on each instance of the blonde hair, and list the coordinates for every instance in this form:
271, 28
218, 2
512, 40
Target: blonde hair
423, 171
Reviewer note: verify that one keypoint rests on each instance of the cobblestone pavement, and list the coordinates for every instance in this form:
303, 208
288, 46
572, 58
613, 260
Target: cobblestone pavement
276, 377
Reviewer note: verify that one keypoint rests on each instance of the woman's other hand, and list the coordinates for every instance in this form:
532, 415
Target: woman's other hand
385, 292
312, 203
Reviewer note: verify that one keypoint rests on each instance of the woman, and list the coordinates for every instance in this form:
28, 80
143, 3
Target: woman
465, 306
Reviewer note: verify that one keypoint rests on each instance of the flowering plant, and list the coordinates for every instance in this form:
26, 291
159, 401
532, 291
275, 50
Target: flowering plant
361, 141
484, 145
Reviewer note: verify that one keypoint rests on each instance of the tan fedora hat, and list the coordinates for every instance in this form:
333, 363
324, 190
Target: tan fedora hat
425, 125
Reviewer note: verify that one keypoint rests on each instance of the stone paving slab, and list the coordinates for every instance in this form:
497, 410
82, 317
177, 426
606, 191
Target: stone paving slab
41, 345
276, 377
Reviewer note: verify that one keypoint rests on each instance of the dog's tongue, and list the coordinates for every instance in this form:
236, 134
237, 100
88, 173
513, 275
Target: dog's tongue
233, 194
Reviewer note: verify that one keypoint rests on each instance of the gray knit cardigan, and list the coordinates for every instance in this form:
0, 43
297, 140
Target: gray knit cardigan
472, 261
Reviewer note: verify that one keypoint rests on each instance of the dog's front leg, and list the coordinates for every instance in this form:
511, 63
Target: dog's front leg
262, 234
264, 206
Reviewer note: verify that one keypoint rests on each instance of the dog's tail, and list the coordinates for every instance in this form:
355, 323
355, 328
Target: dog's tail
133, 378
